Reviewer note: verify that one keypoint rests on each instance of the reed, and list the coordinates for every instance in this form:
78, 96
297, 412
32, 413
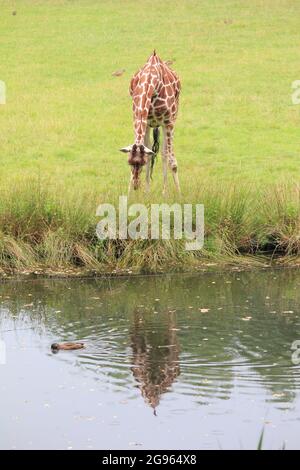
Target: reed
41, 229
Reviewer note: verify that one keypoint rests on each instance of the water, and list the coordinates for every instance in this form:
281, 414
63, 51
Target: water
175, 362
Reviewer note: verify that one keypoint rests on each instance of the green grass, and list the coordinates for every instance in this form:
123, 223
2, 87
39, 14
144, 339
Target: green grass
236, 139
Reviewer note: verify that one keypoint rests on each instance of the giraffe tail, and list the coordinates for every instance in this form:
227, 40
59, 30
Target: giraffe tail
155, 148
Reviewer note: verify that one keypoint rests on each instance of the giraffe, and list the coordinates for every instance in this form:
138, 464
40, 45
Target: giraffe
155, 364
155, 90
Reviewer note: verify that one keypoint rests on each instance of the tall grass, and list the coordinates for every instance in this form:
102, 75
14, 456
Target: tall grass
44, 227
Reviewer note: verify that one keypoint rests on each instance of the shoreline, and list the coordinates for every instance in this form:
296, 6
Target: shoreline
238, 264
43, 234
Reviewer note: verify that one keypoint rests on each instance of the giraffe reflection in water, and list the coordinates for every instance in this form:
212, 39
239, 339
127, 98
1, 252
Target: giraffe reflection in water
155, 354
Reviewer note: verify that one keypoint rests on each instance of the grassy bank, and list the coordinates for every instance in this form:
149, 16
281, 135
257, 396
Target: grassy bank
46, 228
65, 117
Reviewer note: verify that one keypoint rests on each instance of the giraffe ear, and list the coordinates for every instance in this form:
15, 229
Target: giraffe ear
126, 149
148, 151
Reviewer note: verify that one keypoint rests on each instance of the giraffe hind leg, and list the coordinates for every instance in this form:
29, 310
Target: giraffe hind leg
174, 168
169, 132
176, 178
148, 164
165, 161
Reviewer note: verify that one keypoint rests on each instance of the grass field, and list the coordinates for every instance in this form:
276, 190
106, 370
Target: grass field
237, 136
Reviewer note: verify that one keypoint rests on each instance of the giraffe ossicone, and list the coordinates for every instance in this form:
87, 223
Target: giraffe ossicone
155, 91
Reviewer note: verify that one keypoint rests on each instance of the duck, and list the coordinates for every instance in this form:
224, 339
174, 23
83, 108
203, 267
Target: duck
66, 346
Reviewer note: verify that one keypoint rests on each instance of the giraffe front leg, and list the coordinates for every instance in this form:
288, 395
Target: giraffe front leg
130, 184
148, 176
171, 156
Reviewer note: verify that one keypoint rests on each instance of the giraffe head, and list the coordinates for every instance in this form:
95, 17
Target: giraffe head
138, 156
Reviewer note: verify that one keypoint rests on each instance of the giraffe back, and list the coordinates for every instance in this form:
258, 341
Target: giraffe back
155, 91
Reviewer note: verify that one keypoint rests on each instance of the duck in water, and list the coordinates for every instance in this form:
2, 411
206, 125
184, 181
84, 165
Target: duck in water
66, 346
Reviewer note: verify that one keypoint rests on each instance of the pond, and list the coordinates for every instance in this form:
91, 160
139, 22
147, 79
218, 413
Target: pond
171, 362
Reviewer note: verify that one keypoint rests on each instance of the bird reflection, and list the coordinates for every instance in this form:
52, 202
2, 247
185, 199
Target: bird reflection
155, 355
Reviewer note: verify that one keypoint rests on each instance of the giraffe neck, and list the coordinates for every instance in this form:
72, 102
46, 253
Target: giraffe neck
148, 83
143, 102
140, 138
